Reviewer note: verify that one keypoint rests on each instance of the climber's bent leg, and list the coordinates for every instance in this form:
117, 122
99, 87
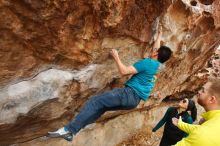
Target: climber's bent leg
122, 98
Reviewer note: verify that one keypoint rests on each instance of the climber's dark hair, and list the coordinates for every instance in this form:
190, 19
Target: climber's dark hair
164, 54
192, 108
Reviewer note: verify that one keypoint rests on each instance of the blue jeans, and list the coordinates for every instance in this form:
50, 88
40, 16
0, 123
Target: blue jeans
117, 99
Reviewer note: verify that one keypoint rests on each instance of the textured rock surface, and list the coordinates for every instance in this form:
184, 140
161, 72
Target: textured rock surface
128, 129
114, 131
54, 55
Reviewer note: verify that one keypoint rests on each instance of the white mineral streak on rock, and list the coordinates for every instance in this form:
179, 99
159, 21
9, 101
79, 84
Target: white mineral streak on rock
21, 97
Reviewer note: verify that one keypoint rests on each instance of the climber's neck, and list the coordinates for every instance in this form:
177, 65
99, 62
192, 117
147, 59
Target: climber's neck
154, 56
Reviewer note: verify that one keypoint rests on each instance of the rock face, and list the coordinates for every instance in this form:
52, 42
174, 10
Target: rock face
55, 55
112, 132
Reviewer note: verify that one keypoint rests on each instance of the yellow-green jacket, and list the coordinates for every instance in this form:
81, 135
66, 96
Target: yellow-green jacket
207, 134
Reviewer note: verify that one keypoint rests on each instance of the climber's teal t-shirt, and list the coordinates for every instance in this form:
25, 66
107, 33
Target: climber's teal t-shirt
143, 82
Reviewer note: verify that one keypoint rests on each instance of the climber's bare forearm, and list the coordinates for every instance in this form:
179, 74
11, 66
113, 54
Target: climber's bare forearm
156, 44
123, 69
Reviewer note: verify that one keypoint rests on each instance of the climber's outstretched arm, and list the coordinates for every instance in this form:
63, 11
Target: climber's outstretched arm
156, 44
123, 69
